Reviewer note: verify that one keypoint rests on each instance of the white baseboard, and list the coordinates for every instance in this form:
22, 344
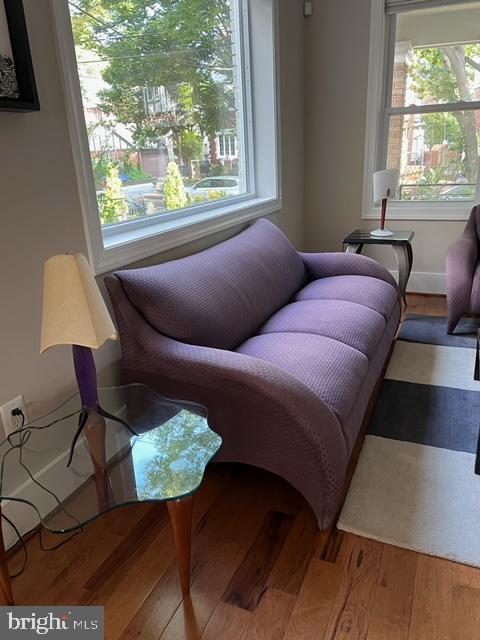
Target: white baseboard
424, 282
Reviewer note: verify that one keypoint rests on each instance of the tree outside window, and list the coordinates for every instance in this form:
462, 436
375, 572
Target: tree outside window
161, 81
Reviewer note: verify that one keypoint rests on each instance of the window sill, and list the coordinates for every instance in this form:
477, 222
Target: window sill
130, 245
440, 211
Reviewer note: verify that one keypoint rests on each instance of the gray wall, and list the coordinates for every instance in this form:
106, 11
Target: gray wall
41, 216
337, 39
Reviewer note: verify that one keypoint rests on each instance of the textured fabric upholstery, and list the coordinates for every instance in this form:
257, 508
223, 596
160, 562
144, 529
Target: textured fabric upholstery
291, 398
475, 294
369, 292
350, 427
463, 286
219, 297
353, 324
331, 369
323, 265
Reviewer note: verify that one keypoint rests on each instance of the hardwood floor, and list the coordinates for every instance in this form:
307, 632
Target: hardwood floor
260, 571
430, 305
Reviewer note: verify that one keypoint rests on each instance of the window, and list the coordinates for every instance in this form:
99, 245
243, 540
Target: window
430, 122
227, 145
162, 110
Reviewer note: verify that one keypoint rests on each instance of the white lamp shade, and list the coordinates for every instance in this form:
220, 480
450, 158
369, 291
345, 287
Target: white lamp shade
385, 184
74, 311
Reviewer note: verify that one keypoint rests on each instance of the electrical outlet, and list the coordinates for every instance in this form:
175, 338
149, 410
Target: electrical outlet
11, 413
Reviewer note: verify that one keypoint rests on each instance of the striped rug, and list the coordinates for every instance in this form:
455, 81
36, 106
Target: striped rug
415, 484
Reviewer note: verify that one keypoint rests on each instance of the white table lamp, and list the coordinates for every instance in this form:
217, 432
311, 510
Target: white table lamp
385, 187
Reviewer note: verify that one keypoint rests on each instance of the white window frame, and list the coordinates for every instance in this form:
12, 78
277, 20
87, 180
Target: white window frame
381, 61
127, 242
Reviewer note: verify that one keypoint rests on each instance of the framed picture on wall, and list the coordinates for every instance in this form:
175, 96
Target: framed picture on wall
18, 91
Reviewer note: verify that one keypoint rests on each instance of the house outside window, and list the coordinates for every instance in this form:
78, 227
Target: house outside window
429, 121
227, 145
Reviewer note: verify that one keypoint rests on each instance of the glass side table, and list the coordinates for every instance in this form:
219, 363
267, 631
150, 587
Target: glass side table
110, 467
401, 243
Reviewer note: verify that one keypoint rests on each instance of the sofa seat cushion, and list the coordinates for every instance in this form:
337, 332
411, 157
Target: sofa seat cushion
369, 292
333, 370
353, 324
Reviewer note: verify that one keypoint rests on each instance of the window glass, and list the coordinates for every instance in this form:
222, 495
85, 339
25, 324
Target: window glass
431, 152
162, 84
436, 63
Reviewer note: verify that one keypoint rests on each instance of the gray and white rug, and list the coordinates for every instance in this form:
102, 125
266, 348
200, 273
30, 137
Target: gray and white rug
415, 484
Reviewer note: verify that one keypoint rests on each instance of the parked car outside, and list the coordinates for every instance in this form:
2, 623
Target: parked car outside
230, 185
459, 192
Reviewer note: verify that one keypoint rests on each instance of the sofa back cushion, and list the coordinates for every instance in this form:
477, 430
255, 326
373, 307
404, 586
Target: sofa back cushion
220, 296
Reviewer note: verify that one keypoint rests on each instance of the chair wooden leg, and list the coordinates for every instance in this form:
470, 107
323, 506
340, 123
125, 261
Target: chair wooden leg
6, 594
181, 512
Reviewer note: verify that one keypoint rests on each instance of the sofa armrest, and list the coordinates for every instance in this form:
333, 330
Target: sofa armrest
323, 265
462, 257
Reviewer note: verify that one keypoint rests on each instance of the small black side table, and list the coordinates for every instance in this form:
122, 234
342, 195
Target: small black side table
401, 243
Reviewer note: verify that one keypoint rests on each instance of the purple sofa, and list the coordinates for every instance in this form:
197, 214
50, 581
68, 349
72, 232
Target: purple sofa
463, 273
283, 348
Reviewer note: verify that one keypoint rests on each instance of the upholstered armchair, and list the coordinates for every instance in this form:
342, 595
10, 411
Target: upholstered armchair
463, 273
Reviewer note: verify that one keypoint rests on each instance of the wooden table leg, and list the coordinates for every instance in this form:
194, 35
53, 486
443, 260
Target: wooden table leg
181, 512
95, 431
6, 594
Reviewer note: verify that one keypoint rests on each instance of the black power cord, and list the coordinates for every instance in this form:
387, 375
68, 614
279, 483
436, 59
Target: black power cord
24, 434
18, 412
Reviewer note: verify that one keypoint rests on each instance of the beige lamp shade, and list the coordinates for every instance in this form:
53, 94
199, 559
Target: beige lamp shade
74, 311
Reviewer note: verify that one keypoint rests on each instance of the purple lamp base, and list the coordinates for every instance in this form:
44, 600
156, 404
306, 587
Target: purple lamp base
86, 374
